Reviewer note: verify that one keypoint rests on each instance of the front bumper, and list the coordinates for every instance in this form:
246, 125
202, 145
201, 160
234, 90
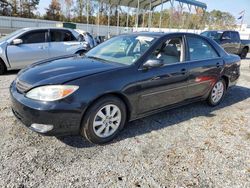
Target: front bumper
64, 115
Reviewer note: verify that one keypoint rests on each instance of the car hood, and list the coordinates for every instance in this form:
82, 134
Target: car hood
61, 70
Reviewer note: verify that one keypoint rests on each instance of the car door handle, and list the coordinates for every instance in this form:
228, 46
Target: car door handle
183, 71
218, 65
156, 78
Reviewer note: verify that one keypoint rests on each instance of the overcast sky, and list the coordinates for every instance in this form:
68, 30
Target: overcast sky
232, 6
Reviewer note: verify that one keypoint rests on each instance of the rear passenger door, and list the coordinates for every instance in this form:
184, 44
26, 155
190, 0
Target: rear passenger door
62, 42
205, 65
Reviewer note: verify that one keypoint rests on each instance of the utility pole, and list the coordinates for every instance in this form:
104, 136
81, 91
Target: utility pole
242, 20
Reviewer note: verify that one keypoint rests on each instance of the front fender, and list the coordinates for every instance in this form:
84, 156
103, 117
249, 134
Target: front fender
3, 54
75, 47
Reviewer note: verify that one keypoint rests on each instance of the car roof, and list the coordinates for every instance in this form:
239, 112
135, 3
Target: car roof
37, 28
159, 34
219, 31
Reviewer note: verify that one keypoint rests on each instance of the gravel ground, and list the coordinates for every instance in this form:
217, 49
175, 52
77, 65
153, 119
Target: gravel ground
191, 146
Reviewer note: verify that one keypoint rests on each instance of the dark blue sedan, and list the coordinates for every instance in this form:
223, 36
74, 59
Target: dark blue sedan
122, 79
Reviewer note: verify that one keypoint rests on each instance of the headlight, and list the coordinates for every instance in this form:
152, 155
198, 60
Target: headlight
51, 92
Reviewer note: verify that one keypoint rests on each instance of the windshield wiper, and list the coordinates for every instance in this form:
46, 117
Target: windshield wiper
98, 58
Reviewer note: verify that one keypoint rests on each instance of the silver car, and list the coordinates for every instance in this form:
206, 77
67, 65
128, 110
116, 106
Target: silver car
29, 45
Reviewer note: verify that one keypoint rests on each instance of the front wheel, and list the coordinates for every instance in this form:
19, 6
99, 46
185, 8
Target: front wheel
2, 68
104, 119
217, 93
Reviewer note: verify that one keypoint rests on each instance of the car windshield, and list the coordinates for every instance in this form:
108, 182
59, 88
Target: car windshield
122, 49
11, 35
216, 35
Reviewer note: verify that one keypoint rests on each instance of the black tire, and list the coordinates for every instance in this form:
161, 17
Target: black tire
2, 68
210, 99
87, 128
243, 54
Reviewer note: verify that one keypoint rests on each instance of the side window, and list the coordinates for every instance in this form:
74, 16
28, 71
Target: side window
235, 36
226, 35
34, 37
200, 49
169, 51
61, 36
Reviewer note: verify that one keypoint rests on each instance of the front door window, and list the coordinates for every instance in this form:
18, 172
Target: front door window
170, 51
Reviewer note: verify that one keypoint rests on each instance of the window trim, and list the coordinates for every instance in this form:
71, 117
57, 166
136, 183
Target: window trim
210, 59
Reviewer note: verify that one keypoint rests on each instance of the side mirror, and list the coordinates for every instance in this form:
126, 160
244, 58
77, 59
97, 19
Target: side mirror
152, 63
17, 41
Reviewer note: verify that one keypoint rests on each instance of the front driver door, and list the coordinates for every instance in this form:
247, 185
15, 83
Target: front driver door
34, 48
166, 85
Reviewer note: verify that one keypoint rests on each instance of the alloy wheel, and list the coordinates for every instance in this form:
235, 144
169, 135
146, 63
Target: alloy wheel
107, 120
217, 92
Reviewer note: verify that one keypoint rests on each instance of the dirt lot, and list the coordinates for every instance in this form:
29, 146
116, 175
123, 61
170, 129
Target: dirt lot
192, 146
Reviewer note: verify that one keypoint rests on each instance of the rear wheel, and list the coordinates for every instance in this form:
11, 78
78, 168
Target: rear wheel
104, 119
217, 93
243, 54
2, 68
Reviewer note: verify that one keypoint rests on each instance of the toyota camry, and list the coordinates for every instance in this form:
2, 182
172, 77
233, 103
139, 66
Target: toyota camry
125, 78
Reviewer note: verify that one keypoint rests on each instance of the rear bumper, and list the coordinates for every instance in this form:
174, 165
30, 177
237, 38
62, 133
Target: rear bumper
65, 118
234, 78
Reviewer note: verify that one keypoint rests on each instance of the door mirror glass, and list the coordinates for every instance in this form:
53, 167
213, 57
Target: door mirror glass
17, 41
152, 63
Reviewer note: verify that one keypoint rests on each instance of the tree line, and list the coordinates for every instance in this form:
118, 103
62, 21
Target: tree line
77, 11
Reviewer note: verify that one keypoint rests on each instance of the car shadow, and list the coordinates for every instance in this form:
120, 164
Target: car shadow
167, 118
10, 72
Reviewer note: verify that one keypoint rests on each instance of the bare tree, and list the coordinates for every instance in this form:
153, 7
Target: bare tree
53, 12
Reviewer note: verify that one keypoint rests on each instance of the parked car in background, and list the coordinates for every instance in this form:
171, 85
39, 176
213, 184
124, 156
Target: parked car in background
87, 37
230, 41
99, 39
26, 46
125, 78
